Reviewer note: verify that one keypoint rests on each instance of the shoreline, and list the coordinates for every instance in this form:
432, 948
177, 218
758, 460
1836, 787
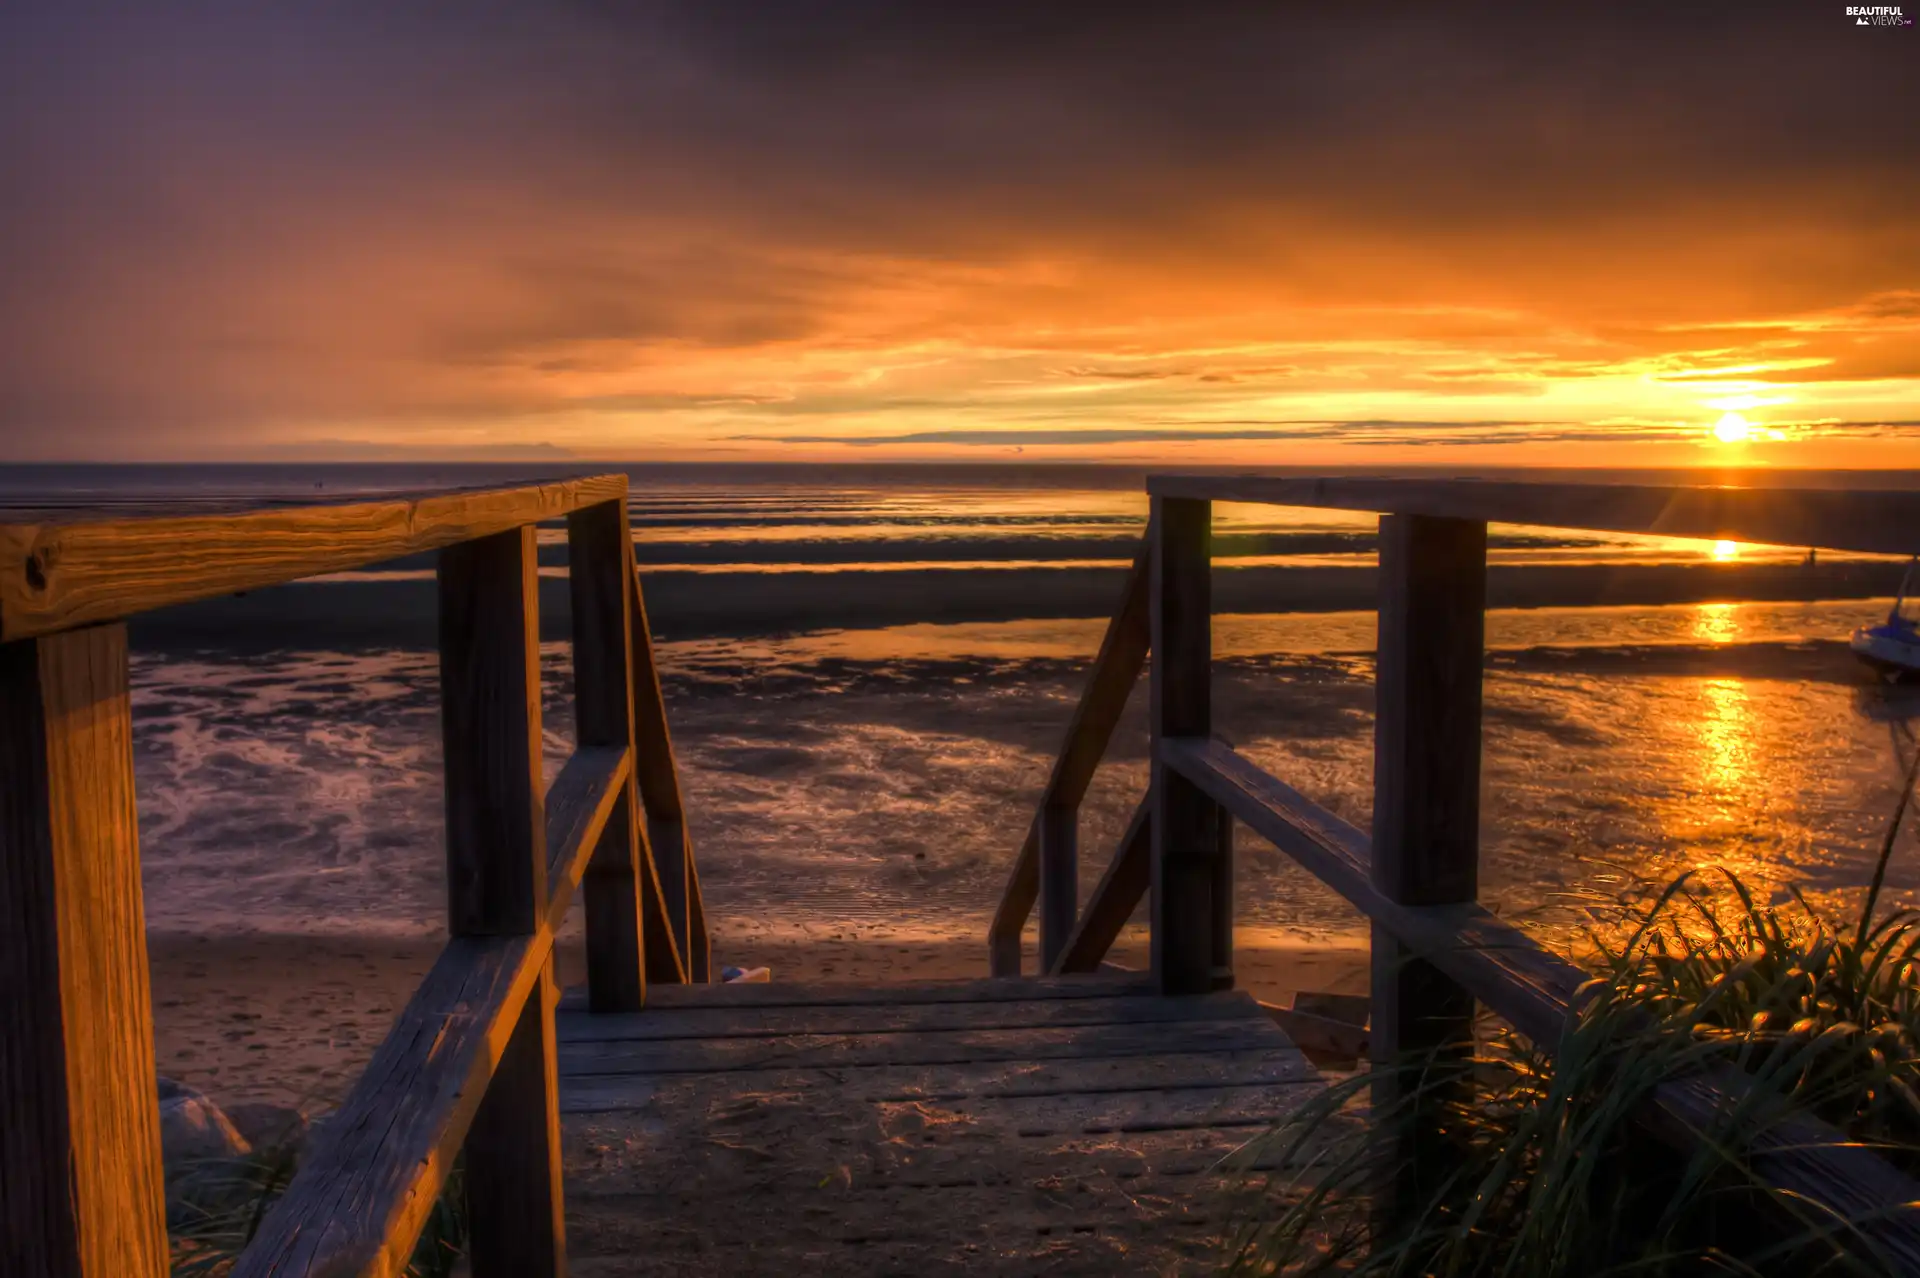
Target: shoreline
699, 605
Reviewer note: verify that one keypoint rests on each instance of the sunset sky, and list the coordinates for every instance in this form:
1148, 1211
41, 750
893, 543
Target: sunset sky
1566, 235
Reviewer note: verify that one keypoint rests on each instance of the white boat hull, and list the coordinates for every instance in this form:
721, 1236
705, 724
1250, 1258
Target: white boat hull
1887, 653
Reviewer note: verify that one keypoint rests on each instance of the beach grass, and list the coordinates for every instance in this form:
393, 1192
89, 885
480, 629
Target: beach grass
214, 1210
1547, 1166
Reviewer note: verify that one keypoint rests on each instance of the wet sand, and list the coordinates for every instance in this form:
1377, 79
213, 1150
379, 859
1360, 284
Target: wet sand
293, 1019
689, 605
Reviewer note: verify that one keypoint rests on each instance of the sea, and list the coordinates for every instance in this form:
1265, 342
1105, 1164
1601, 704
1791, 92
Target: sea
869, 670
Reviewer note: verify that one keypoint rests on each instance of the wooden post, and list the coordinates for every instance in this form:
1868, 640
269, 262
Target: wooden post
668, 838
1059, 879
699, 939
1426, 823
598, 548
80, 1178
497, 884
515, 1210
1192, 866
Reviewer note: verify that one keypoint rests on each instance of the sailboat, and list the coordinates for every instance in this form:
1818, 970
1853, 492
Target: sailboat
1893, 646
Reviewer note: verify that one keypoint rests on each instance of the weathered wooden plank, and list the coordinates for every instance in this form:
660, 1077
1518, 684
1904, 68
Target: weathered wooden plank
659, 1025
1059, 879
80, 1177
699, 938
1187, 866
668, 887
1224, 1106
1426, 834
1116, 668
659, 777
365, 1188
896, 1227
1018, 1248
1501, 965
599, 546
490, 728
1873, 521
1062, 1217
1039, 1226
813, 1165
832, 994
581, 805
616, 950
931, 1047
515, 1213
666, 968
1244, 1106
1876, 1206
944, 1160
668, 841
1167, 1071
768, 1144
497, 878
59, 570
413, 1106
1114, 897
1535, 991
1432, 645
598, 549
1327, 1041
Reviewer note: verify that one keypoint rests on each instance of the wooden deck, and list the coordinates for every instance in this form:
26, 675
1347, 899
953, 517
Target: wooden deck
1057, 1126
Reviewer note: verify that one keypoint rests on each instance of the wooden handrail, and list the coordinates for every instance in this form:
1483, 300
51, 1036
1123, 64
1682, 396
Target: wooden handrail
1537, 992
60, 569
682, 946
1123, 652
1870, 522
1527, 986
364, 1191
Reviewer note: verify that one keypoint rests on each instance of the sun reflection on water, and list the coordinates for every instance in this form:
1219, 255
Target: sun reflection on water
1726, 740
1716, 623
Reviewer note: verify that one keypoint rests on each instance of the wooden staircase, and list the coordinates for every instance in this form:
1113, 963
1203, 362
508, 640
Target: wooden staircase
1070, 1125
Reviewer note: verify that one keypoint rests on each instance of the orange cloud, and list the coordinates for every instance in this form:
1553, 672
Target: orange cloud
1239, 235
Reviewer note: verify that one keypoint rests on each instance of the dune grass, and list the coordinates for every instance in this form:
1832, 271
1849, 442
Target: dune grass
214, 1209
1549, 1168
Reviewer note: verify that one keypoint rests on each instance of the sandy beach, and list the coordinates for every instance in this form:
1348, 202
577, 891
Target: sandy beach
292, 1019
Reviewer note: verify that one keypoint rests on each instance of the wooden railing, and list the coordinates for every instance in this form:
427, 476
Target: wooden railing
469, 1063
1047, 867
1437, 954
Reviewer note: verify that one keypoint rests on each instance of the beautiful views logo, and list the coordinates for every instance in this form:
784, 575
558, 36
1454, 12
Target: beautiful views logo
1878, 15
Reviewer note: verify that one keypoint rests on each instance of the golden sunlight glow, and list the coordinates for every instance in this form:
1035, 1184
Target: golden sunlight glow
1716, 623
1733, 429
1725, 550
1725, 731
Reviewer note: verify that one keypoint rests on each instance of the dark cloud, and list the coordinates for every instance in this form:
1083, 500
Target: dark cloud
223, 219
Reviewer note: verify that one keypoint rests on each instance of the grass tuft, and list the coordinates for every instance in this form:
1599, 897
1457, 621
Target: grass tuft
1544, 1164
214, 1210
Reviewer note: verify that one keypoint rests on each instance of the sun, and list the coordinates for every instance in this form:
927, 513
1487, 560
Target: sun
1733, 429
1725, 550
